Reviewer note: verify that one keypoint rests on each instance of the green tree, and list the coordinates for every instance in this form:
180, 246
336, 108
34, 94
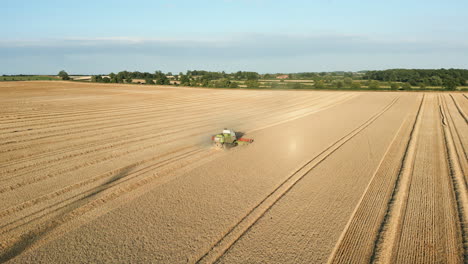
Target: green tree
184, 80
356, 85
450, 84
319, 84
406, 86
394, 86
96, 78
129, 80
149, 81
252, 83
374, 85
339, 84
106, 80
64, 75
348, 81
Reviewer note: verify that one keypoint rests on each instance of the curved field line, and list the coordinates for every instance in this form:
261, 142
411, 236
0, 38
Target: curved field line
251, 218
459, 109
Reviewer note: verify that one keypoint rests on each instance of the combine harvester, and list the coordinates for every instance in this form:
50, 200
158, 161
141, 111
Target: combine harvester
228, 138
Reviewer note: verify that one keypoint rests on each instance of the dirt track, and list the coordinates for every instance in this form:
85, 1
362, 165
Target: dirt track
109, 173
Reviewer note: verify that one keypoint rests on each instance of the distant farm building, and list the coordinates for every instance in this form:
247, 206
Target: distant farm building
283, 76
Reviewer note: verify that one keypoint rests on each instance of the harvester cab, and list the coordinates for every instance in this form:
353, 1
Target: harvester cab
228, 138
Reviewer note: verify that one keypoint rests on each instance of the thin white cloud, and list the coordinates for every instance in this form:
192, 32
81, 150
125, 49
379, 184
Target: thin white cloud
260, 52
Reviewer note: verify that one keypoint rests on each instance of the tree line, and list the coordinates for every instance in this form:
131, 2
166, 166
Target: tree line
448, 78
393, 79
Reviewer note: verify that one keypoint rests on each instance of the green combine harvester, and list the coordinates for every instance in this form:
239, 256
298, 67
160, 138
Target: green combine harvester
228, 138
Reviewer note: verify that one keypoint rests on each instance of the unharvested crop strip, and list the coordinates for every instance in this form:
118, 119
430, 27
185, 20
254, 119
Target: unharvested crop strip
388, 231
356, 242
456, 132
458, 180
251, 218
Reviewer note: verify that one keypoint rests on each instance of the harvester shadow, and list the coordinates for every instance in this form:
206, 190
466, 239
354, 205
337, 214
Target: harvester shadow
29, 239
239, 134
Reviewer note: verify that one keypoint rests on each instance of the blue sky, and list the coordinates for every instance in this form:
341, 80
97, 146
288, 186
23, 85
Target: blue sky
86, 37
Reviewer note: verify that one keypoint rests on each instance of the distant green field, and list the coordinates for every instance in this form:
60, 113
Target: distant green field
29, 78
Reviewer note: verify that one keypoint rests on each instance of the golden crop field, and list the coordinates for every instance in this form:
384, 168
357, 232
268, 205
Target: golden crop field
93, 173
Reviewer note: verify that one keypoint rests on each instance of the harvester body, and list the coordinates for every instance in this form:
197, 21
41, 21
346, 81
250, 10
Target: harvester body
228, 138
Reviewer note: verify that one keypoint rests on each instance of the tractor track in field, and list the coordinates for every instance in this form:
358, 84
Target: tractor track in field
388, 229
114, 144
64, 170
459, 109
356, 243
251, 218
68, 138
96, 175
445, 179
87, 200
158, 163
456, 129
29, 222
75, 167
373, 234
221, 101
207, 123
98, 120
160, 110
99, 111
74, 131
460, 187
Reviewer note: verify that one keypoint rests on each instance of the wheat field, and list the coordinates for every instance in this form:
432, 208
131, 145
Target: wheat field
106, 173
